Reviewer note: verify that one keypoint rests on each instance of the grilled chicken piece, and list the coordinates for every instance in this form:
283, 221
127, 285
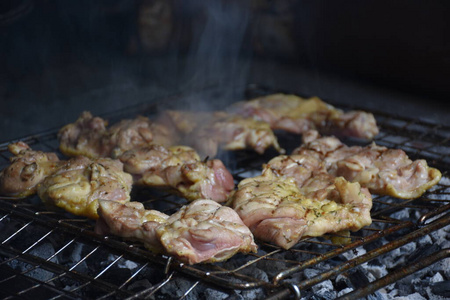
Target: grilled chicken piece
203, 231
130, 220
84, 137
384, 171
277, 211
297, 115
78, 185
180, 170
208, 132
28, 168
89, 136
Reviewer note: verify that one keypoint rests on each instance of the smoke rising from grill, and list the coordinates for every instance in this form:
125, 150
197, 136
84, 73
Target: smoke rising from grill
217, 54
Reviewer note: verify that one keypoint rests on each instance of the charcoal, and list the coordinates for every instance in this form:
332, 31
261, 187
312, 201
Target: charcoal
43, 251
378, 295
404, 288
415, 296
358, 278
344, 291
216, 294
324, 290
423, 252
398, 256
310, 273
324, 295
377, 270
441, 288
343, 282
139, 285
403, 214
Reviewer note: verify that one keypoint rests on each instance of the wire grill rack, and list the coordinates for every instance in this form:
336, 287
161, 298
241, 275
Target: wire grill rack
54, 255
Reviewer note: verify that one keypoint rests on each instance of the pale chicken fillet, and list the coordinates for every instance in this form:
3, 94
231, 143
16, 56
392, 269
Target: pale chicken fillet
200, 232
384, 171
130, 220
28, 168
90, 136
205, 231
276, 211
81, 182
297, 115
208, 132
179, 170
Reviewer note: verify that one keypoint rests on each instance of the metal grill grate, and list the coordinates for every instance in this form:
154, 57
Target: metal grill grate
54, 255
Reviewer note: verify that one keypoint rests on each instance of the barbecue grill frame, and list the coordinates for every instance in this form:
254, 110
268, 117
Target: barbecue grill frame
420, 139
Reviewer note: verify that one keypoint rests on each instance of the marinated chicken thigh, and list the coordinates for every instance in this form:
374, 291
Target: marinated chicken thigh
384, 171
208, 132
180, 170
90, 136
277, 211
130, 220
28, 168
84, 137
78, 185
203, 231
297, 115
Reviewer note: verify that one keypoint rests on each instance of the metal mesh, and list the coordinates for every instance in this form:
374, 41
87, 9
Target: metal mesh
54, 255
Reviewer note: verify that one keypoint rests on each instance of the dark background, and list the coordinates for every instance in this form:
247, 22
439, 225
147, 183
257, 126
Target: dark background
58, 58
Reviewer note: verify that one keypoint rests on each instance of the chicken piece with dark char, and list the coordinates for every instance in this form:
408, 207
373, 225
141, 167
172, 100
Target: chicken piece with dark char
28, 168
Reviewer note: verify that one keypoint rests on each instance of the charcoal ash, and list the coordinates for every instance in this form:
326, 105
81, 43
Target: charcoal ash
415, 296
398, 256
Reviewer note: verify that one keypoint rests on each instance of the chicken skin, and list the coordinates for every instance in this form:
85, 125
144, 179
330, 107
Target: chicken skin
28, 168
277, 211
179, 170
200, 232
130, 220
205, 231
208, 132
81, 182
384, 171
297, 115
90, 136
